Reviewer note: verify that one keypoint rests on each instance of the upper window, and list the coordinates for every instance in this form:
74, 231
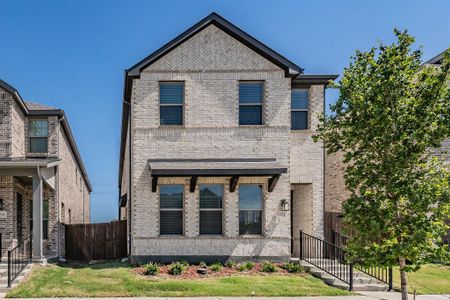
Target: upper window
251, 103
250, 209
38, 135
299, 109
171, 209
211, 197
171, 99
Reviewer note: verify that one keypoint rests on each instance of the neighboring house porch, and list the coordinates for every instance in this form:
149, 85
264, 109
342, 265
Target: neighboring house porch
28, 206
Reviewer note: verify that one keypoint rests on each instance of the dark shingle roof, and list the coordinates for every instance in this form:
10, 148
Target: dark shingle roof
37, 106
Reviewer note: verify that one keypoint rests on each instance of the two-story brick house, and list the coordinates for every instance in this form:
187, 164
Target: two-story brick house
43, 181
217, 160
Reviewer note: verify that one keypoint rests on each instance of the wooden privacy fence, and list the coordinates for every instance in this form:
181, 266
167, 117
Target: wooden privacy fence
88, 242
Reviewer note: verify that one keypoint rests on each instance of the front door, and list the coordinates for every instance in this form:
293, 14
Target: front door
19, 216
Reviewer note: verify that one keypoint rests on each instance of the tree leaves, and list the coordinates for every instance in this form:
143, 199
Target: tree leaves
391, 112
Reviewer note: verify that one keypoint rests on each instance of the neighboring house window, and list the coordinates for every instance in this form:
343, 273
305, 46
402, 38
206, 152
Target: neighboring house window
299, 109
250, 209
211, 198
45, 209
251, 103
171, 99
38, 135
171, 209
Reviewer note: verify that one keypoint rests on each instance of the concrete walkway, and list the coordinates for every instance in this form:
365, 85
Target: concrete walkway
361, 296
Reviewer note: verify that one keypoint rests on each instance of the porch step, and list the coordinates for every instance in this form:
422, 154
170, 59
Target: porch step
361, 281
4, 277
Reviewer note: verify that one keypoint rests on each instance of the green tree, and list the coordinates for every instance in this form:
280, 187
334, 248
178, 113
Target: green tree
390, 114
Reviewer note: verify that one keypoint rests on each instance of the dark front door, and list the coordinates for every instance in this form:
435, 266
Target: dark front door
19, 216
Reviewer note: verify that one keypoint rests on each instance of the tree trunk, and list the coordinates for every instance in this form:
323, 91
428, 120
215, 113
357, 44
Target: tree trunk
403, 279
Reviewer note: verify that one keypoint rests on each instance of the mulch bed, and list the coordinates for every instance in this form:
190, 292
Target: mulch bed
191, 272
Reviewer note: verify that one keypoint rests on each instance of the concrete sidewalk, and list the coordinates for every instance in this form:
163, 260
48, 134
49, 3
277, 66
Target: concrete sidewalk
361, 296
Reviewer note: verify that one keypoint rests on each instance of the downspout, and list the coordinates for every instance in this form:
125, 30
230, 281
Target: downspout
324, 170
57, 194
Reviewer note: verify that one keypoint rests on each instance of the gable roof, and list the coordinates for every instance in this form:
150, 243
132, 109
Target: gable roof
437, 60
36, 109
289, 67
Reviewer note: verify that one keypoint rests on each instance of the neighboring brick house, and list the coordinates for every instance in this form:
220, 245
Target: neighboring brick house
336, 193
216, 142
43, 181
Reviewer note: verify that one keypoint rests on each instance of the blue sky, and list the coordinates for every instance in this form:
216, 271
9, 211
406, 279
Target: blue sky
72, 54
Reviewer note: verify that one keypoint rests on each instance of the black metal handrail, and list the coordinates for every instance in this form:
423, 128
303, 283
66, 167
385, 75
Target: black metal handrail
326, 256
18, 258
383, 274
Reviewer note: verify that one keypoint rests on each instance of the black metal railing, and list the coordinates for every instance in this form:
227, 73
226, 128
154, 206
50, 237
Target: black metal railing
326, 256
383, 274
18, 258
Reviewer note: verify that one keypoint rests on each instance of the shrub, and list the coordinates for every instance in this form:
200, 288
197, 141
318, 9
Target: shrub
184, 263
216, 267
177, 268
292, 268
248, 265
268, 267
230, 264
151, 269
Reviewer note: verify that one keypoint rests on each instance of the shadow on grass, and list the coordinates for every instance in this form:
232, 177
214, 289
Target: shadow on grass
94, 265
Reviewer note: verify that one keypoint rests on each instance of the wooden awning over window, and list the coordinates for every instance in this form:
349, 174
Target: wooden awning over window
233, 168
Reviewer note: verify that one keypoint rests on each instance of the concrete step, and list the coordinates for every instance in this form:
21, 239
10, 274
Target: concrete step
361, 281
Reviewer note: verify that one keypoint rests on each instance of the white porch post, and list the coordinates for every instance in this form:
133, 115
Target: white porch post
37, 217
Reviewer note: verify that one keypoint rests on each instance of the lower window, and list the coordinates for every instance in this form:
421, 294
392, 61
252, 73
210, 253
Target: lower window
171, 209
250, 209
211, 198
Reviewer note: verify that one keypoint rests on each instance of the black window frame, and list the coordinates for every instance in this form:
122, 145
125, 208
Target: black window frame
172, 209
305, 110
37, 137
163, 105
222, 187
261, 232
252, 104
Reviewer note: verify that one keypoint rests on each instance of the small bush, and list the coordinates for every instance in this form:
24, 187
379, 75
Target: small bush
292, 268
184, 263
247, 266
230, 264
151, 269
268, 267
177, 268
216, 267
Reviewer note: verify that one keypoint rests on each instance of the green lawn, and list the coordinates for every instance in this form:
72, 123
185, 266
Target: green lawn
117, 280
430, 279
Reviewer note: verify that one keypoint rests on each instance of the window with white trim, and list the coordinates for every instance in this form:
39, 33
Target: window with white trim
38, 135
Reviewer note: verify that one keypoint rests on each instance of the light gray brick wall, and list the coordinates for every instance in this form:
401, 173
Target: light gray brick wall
307, 162
6, 101
211, 64
18, 131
